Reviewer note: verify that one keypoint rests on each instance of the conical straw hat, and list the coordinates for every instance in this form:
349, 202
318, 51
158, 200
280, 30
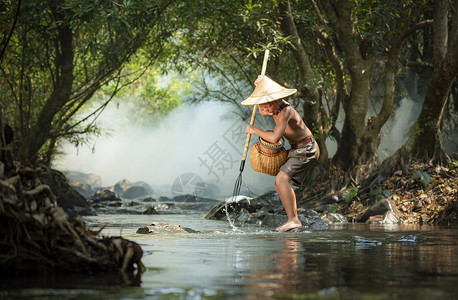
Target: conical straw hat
267, 90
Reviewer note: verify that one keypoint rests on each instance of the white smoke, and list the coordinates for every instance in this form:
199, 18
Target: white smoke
198, 139
395, 130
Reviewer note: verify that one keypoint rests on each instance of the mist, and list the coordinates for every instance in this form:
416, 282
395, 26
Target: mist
395, 131
194, 145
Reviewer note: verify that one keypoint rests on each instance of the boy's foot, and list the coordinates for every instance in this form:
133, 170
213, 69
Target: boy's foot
290, 225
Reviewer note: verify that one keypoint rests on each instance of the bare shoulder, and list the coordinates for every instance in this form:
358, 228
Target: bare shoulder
292, 113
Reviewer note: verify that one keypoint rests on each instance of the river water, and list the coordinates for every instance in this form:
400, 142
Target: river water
354, 261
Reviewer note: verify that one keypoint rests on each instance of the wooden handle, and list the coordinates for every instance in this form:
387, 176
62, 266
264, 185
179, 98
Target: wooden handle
255, 107
264, 63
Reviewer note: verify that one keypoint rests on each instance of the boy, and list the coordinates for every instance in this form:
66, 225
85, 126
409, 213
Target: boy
268, 95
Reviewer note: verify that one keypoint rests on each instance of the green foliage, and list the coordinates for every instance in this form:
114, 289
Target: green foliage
148, 99
381, 194
350, 194
424, 178
377, 20
453, 164
220, 43
63, 52
316, 131
333, 208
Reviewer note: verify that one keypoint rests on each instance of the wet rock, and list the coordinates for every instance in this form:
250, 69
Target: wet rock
389, 218
186, 199
150, 211
134, 192
410, 239
129, 190
308, 212
84, 211
271, 201
262, 213
217, 212
192, 203
381, 208
333, 218
149, 199
275, 220
362, 242
144, 185
143, 230
128, 211
84, 189
265, 210
246, 217
315, 222
234, 208
161, 227
121, 186
260, 206
67, 197
104, 195
164, 205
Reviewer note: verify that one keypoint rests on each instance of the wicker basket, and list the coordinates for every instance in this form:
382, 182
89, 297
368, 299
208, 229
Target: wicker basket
267, 158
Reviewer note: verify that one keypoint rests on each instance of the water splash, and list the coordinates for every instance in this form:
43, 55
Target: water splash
234, 199
234, 228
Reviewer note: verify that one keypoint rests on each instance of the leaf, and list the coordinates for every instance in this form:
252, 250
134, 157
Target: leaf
423, 177
351, 194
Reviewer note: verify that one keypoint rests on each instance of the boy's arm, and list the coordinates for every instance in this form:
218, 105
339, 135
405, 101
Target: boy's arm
279, 130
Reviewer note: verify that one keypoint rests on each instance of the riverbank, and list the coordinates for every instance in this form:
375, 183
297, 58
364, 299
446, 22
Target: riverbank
422, 194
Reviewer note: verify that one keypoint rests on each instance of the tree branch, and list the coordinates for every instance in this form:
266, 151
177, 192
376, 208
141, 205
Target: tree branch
16, 17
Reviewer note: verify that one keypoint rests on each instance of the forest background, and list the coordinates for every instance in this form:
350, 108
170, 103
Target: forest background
63, 62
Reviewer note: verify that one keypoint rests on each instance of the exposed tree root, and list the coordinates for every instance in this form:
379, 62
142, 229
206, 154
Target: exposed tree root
38, 237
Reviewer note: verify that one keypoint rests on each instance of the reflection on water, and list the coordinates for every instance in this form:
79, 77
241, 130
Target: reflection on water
284, 273
257, 263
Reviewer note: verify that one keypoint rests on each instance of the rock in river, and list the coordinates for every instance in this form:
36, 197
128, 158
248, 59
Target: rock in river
267, 210
161, 227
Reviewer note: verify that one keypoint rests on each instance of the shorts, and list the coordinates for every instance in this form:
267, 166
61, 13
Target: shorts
300, 161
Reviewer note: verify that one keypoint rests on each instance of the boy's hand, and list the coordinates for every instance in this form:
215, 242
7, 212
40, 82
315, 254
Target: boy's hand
250, 129
256, 82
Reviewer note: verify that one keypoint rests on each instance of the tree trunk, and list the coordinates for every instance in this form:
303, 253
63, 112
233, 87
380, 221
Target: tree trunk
360, 137
355, 148
59, 97
311, 108
425, 138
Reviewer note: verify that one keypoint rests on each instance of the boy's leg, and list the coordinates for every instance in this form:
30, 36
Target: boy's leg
288, 199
